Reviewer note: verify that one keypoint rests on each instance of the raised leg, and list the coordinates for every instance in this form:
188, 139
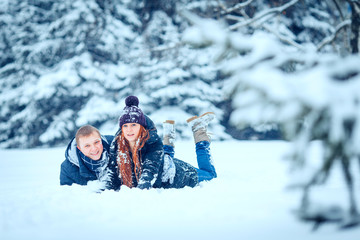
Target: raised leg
206, 169
199, 125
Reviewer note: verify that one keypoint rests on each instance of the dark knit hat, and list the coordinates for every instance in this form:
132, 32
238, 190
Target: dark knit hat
132, 113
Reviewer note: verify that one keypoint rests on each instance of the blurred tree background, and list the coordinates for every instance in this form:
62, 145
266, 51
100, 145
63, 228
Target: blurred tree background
286, 69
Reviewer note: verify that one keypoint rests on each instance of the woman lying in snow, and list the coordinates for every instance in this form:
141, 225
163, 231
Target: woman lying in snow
136, 156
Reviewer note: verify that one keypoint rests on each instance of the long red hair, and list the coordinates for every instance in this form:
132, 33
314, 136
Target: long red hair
124, 160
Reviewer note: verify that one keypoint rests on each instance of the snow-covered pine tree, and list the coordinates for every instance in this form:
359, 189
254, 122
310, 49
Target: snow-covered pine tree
176, 81
60, 69
69, 63
311, 94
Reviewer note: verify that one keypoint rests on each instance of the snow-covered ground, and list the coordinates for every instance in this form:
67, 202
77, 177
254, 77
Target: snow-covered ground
248, 200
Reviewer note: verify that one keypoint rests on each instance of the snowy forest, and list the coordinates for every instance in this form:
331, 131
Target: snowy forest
286, 69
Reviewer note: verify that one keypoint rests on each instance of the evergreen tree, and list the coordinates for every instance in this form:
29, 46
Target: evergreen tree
71, 63
60, 62
312, 94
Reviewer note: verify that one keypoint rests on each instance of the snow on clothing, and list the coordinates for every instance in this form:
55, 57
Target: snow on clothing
161, 170
79, 169
152, 160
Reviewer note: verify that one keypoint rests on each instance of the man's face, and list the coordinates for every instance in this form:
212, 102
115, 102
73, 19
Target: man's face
91, 146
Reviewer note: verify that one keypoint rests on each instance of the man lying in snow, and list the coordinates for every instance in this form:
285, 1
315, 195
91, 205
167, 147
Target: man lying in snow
86, 157
93, 159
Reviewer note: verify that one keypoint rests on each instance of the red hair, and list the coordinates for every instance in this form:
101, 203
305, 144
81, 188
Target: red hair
125, 162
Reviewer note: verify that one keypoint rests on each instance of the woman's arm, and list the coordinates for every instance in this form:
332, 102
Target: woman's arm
152, 163
112, 180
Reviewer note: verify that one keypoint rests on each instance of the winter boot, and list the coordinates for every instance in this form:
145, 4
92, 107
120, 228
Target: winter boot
169, 132
199, 126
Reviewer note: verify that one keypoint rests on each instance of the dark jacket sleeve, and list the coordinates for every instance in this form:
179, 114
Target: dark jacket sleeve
152, 163
152, 158
113, 181
69, 174
64, 176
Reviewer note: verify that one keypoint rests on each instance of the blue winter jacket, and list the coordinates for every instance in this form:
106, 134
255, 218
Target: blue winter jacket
73, 169
153, 174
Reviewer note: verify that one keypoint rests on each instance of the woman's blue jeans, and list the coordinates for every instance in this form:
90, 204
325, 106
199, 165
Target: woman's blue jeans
206, 170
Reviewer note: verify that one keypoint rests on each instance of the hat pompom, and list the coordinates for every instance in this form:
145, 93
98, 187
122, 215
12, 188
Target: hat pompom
132, 101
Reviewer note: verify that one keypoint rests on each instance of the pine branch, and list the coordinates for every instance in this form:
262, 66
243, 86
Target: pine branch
284, 38
339, 9
281, 37
345, 162
276, 10
234, 8
163, 48
222, 6
332, 37
232, 17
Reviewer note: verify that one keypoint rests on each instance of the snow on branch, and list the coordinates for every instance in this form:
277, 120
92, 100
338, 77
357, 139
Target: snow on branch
234, 8
261, 15
163, 48
332, 37
283, 38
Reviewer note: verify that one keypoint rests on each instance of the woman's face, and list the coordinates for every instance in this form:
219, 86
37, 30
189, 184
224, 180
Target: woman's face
131, 131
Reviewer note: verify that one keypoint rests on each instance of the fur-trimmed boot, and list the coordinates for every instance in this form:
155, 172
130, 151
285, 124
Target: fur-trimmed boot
199, 126
169, 132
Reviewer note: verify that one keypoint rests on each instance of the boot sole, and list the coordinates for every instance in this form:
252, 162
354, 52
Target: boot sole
192, 118
170, 121
196, 117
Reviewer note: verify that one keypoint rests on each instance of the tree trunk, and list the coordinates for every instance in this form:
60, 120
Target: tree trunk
355, 25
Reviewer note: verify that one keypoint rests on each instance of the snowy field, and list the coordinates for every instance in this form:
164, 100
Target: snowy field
248, 200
